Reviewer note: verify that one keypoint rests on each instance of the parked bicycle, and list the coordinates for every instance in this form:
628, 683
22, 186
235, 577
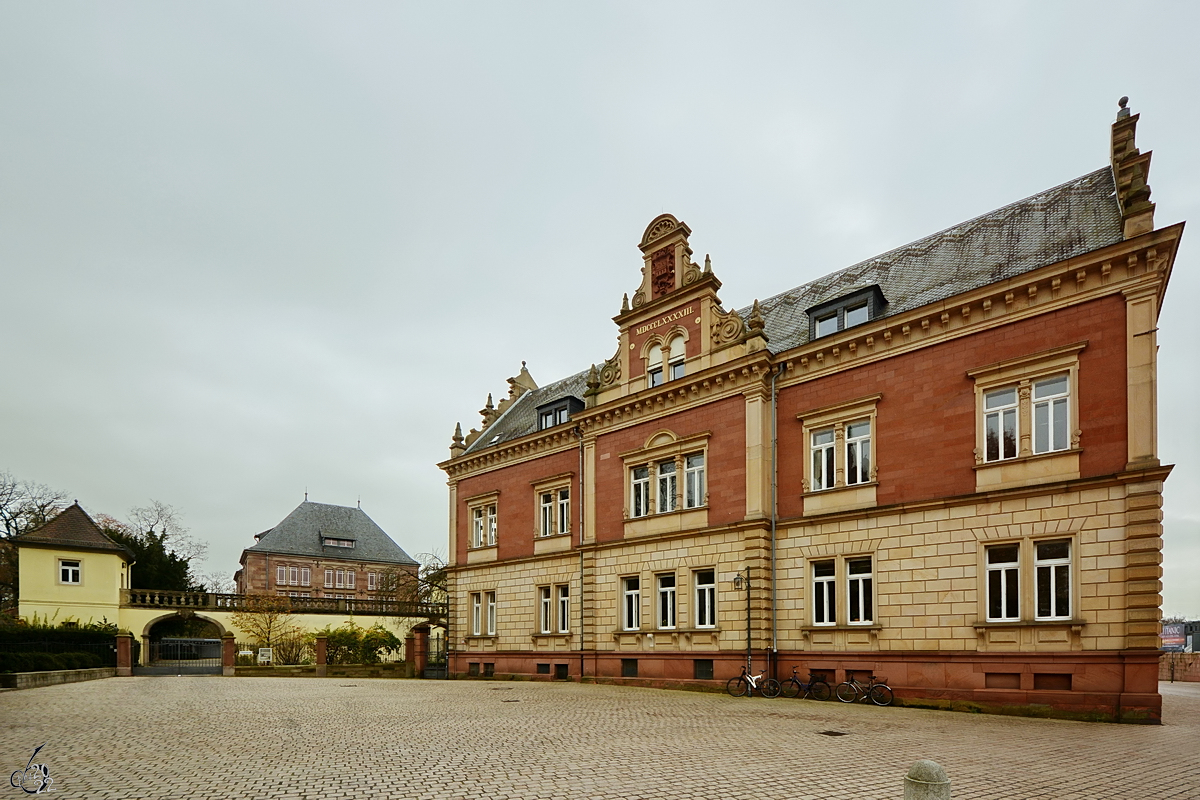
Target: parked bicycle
816, 688
745, 684
875, 689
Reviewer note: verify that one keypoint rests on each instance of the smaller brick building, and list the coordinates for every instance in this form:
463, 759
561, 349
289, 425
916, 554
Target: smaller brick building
322, 550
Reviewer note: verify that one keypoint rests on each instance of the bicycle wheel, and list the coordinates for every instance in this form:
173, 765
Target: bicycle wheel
737, 686
881, 695
790, 687
847, 692
771, 688
819, 690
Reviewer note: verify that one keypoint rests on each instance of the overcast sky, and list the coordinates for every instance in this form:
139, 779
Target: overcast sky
249, 249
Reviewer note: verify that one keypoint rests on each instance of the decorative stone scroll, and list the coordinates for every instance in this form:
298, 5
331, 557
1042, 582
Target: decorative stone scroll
727, 327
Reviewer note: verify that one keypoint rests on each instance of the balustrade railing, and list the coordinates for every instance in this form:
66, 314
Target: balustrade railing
156, 598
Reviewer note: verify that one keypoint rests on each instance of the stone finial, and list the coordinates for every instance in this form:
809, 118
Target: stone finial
457, 448
522, 383
707, 264
1124, 112
1131, 172
756, 336
625, 303
593, 379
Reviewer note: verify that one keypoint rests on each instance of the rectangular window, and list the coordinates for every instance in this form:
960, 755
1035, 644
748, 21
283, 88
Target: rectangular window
640, 489
491, 525
328, 579
341, 579
564, 609
545, 609
858, 452
477, 527
1052, 565
1003, 583
702, 669
371, 584
293, 576
827, 325
706, 598
693, 481
631, 609
1051, 416
629, 668
350, 579
1000, 424
856, 315
281, 574
656, 377
305, 576
666, 602
564, 511
822, 460
546, 507
666, 486
69, 572
476, 620
489, 600
678, 369
858, 573
824, 594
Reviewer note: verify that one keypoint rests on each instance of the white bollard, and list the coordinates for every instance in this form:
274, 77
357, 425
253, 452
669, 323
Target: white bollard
926, 780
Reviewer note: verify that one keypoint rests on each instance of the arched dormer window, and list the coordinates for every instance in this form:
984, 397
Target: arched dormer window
675, 367
654, 367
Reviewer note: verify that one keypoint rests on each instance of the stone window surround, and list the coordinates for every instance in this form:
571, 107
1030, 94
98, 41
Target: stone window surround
482, 501
662, 340
666, 446
1023, 372
841, 496
1027, 582
841, 593
553, 485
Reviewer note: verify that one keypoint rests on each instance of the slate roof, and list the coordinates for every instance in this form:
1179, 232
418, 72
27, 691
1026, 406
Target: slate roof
74, 529
1068, 220
520, 418
302, 532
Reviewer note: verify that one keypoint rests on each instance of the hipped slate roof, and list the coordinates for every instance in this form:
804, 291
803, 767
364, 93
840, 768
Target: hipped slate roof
73, 529
302, 533
1075, 218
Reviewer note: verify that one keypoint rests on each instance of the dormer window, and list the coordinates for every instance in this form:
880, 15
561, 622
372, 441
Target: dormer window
329, 541
846, 311
558, 412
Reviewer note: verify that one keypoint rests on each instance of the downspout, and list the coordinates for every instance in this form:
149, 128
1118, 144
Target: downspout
774, 516
579, 434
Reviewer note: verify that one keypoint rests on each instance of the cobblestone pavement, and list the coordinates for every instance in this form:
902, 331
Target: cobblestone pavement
293, 738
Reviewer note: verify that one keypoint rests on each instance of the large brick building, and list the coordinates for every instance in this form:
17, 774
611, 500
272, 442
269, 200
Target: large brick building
938, 465
322, 550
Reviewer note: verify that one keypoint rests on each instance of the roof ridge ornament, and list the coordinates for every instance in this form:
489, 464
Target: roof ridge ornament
1131, 173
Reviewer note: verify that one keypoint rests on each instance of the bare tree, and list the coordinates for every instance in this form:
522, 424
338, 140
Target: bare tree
266, 618
165, 519
24, 505
425, 584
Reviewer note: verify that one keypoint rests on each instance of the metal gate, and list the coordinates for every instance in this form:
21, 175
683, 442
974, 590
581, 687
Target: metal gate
436, 665
182, 657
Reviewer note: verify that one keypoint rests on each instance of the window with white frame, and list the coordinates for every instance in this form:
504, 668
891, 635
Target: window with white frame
860, 600
693, 481
841, 450
281, 575
845, 312
675, 359
1051, 414
654, 367
1052, 571
546, 515
328, 579
372, 581
293, 576
545, 609
858, 452
564, 608
667, 486
482, 511
1000, 431
666, 362
1028, 406
489, 600
553, 511
476, 613
564, 510
640, 491
666, 601
822, 460
70, 571
824, 592
305, 576
631, 606
1003, 582
706, 598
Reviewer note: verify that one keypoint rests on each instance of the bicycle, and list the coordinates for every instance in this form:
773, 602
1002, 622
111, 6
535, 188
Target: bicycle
816, 688
876, 689
745, 684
